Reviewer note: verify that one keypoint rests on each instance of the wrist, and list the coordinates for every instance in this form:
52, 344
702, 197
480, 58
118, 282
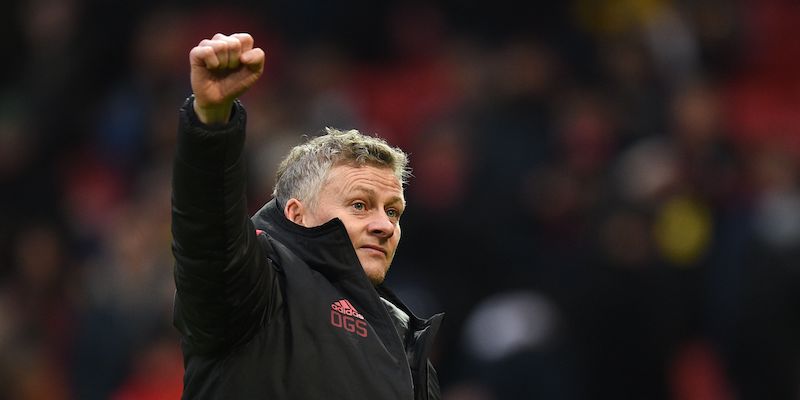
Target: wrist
218, 114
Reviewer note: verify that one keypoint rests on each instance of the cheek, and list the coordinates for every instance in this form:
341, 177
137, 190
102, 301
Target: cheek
397, 234
320, 215
355, 228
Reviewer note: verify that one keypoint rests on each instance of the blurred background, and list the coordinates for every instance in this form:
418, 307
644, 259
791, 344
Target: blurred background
606, 199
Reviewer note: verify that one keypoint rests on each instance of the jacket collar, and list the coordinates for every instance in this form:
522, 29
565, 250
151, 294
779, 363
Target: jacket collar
326, 248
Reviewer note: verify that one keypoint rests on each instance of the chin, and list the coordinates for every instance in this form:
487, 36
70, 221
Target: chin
376, 274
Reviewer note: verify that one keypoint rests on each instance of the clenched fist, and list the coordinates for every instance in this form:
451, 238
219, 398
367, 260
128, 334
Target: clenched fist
222, 69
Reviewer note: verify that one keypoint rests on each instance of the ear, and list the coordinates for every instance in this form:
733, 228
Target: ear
295, 211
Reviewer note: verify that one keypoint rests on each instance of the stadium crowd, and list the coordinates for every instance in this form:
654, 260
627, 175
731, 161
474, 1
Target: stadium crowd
605, 201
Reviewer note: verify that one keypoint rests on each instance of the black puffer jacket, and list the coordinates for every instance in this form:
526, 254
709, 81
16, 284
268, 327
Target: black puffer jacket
271, 310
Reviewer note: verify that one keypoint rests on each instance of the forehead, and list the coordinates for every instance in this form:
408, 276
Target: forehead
347, 179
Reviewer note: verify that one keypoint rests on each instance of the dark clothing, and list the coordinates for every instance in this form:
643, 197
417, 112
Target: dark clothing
269, 309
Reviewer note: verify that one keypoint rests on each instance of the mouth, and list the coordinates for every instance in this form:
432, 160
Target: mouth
374, 249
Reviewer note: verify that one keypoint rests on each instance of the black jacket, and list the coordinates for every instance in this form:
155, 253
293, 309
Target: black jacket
272, 310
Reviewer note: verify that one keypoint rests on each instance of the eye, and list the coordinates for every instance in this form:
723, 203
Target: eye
359, 206
393, 213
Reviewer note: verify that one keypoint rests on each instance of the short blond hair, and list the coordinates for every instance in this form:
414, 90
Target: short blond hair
304, 170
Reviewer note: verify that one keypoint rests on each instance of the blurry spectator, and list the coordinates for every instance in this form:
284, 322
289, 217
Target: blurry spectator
128, 291
36, 311
515, 346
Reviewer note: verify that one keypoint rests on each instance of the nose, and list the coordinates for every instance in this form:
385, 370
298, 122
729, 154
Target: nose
381, 226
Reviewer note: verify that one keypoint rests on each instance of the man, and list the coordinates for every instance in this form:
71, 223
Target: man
288, 304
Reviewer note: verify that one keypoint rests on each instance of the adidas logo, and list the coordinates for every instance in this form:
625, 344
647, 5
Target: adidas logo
345, 316
343, 306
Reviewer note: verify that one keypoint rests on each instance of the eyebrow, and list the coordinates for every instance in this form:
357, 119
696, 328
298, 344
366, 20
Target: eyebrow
370, 192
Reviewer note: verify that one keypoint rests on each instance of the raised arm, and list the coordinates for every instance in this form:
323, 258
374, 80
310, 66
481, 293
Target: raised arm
221, 275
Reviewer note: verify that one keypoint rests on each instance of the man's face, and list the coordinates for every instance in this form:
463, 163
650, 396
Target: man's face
369, 201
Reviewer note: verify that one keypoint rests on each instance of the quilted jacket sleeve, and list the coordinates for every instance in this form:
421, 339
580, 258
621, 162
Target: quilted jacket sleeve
222, 276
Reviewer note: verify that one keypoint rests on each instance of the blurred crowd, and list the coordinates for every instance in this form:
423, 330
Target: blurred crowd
605, 202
